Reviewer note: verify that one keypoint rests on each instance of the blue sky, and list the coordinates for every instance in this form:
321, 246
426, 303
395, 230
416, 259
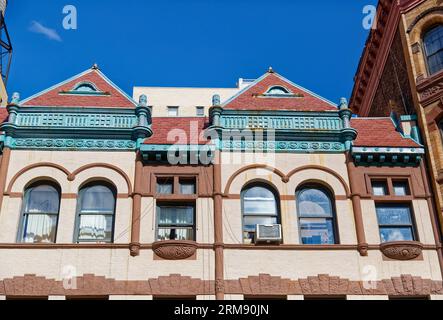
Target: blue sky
195, 43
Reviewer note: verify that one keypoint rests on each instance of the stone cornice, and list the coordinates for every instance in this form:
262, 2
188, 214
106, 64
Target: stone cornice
66, 128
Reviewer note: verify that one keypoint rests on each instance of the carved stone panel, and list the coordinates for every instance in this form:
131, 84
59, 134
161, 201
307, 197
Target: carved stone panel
406, 250
174, 250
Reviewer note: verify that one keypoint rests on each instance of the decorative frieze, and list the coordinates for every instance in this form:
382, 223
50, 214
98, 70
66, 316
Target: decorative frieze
263, 284
387, 156
283, 146
72, 144
431, 89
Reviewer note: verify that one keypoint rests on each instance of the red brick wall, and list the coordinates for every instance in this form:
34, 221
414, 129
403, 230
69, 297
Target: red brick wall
393, 92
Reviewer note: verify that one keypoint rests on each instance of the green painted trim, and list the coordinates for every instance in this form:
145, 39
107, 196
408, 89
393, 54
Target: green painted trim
175, 147
76, 128
284, 146
412, 117
72, 144
395, 157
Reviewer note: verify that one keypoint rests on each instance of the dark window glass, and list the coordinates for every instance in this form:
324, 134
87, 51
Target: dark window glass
277, 90
85, 88
187, 186
165, 185
379, 188
173, 111
401, 188
175, 222
410, 298
96, 213
395, 222
87, 298
259, 207
325, 298
265, 298
200, 111
316, 216
433, 43
40, 213
174, 298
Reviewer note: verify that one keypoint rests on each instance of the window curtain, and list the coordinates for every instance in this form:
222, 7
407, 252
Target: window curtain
93, 227
176, 216
97, 209
41, 207
40, 229
164, 188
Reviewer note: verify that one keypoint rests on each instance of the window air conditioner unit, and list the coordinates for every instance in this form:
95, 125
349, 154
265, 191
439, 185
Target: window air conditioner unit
266, 233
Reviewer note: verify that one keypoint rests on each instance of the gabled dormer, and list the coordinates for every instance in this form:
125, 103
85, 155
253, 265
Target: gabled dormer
85, 112
273, 92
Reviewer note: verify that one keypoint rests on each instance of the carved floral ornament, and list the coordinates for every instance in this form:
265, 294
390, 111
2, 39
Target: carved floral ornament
174, 250
406, 250
432, 92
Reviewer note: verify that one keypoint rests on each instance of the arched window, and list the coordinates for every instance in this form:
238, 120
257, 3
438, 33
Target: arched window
316, 216
40, 211
433, 45
277, 90
260, 206
96, 211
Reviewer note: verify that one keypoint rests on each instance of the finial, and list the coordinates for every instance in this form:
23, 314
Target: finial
215, 100
270, 70
143, 101
95, 66
15, 98
343, 104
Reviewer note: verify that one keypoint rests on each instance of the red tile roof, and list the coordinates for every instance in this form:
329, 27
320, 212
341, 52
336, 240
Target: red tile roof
379, 132
253, 99
178, 130
53, 98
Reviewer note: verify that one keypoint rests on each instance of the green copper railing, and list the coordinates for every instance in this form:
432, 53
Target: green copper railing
281, 122
75, 120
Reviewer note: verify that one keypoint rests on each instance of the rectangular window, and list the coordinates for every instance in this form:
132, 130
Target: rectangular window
26, 298
165, 185
189, 298
200, 111
379, 188
401, 188
173, 111
187, 186
176, 222
410, 298
395, 222
325, 298
265, 297
84, 298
